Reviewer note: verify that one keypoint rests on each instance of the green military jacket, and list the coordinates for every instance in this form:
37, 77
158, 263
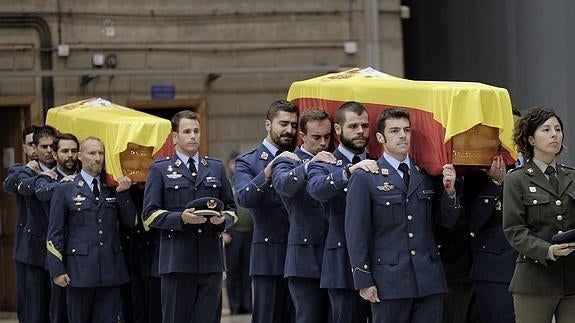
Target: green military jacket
532, 213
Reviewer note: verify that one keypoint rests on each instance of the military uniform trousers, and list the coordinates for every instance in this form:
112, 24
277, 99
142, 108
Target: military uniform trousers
272, 301
37, 302
176, 303
310, 301
427, 309
93, 304
238, 281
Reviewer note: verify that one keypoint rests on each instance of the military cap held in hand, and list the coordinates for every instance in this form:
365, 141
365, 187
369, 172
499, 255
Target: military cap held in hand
206, 206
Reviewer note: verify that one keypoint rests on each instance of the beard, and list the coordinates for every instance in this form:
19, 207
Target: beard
285, 142
350, 144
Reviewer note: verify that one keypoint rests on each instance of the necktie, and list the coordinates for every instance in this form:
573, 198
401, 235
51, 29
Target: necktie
192, 167
95, 188
356, 159
550, 171
405, 170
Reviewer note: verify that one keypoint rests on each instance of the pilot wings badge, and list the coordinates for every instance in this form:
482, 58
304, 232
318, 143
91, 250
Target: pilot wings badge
386, 187
174, 175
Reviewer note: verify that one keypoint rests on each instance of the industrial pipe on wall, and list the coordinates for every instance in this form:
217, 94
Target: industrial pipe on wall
18, 20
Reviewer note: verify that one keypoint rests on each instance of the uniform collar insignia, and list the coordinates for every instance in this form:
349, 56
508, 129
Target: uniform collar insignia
530, 170
305, 160
532, 189
204, 162
81, 183
264, 155
498, 205
384, 171
178, 163
417, 168
170, 168
339, 162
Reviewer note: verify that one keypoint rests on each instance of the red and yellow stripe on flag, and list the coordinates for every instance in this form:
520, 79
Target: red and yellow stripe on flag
439, 110
115, 125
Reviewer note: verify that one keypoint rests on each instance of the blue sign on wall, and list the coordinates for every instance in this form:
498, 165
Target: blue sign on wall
163, 91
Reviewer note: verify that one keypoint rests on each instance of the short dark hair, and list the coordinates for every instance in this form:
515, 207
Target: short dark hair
390, 113
64, 136
184, 114
280, 105
352, 106
312, 114
43, 131
28, 130
528, 124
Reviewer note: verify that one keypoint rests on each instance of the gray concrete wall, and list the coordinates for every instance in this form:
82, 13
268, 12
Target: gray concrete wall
197, 35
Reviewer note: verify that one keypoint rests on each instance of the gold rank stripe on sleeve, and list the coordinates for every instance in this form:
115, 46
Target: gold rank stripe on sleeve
152, 217
53, 250
232, 214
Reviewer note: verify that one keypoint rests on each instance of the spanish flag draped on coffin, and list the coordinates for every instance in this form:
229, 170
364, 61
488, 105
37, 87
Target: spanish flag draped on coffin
462, 123
132, 139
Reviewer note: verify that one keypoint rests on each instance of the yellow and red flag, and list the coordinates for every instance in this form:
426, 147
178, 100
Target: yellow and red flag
438, 110
115, 125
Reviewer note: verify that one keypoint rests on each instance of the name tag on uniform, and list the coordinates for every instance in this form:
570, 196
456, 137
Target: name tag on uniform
111, 199
427, 192
211, 179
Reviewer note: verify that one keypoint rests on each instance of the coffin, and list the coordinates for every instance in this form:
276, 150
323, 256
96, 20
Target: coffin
132, 139
463, 123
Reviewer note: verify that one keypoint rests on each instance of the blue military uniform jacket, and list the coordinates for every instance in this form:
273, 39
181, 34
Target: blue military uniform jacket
83, 238
37, 191
16, 174
308, 225
389, 231
327, 184
271, 224
493, 258
187, 248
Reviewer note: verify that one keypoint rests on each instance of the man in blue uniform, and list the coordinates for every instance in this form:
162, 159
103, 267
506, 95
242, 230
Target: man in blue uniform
254, 189
308, 226
191, 252
65, 151
33, 239
327, 183
16, 173
84, 249
389, 229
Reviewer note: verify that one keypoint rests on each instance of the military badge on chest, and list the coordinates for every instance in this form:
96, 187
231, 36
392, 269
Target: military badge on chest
79, 199
386, 187
172, 174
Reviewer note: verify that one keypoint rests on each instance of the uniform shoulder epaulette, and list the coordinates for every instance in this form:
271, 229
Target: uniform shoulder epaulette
249, 152
163, 159
514, 169
568, 167
213, 159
